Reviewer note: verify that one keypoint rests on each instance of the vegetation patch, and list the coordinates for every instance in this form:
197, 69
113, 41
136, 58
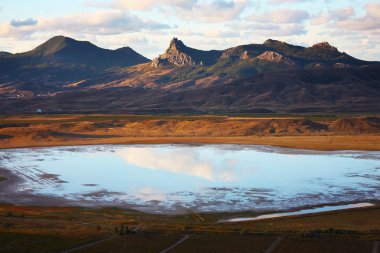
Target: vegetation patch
77, 135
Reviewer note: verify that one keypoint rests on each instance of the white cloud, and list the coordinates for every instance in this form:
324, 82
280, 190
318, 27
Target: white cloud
194, 10
101, 22
344, 13
286, 1
226, 33
369, 22
25, 22
275, 23
346, 20
280, 16
140, 4
214, 11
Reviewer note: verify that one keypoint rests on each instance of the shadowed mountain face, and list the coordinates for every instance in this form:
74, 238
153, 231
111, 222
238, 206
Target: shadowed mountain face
60, 61
62, 73
63, 50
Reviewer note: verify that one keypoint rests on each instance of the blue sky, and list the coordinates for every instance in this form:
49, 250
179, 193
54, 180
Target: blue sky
148, 25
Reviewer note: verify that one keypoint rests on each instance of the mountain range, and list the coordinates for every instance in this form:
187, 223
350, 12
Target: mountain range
66, 75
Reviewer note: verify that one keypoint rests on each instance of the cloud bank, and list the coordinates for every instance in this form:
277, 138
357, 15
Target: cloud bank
148, 25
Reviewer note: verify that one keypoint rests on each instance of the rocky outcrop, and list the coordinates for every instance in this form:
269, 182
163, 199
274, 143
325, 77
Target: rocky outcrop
176, 54
159, 62
245, 55
324, 45
270, 42
318, 65
275, 57
181, 55
341, 65
228, 53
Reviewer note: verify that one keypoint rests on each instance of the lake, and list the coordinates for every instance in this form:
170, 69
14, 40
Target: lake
180, 178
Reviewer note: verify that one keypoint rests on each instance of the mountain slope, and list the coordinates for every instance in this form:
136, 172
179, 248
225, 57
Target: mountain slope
60, 61
65, 75
182, 66
300, 91
64, 50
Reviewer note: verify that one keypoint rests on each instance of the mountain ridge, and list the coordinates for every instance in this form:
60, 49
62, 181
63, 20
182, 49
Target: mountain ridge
63, 65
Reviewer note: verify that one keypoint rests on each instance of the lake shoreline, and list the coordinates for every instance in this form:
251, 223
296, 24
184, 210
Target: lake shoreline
318, 142
28, 199
300, 211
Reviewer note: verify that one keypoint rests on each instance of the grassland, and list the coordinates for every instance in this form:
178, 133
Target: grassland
56, 229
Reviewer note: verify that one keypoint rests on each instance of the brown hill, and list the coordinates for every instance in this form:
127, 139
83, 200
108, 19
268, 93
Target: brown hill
121, 129
356, 125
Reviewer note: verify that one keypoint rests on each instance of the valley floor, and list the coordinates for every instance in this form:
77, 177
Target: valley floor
35, 229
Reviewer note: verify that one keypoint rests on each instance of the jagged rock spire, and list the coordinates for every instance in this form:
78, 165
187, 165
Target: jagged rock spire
176, 54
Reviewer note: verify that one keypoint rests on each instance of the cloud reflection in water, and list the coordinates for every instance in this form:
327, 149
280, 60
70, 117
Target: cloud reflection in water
183, 161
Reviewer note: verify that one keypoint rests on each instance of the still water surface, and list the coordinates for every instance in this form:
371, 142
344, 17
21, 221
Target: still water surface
176, 178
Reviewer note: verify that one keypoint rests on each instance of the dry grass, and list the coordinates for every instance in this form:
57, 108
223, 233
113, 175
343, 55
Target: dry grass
339, 142
323, 245
52, 229
136, 243
32, 131
224, 243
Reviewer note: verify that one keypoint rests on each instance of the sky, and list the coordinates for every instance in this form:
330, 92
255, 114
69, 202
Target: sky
147, 26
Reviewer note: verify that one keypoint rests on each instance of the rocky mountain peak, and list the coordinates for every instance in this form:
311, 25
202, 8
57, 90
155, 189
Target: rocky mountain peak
178, 54
175, 43
275, 57
324, 45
